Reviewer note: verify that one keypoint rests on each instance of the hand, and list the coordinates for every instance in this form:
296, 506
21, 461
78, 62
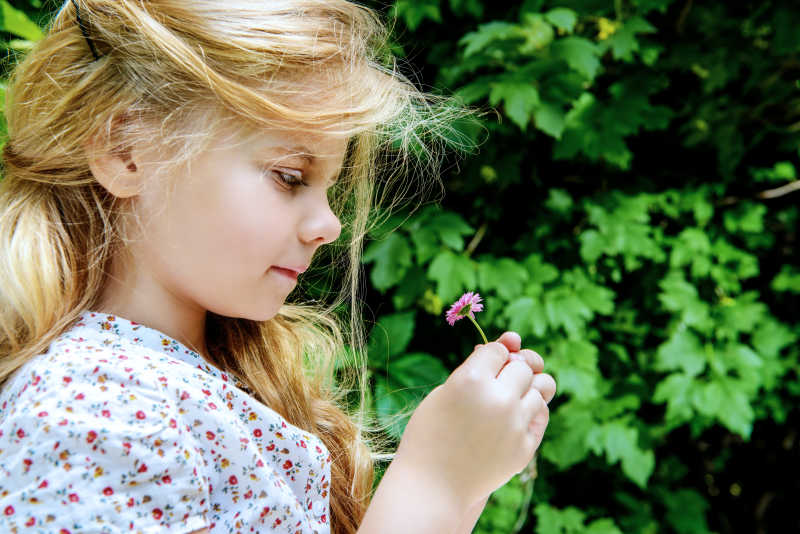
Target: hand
473, 433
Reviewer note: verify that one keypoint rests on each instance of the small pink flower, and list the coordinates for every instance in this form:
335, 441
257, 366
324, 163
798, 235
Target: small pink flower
464, 307
468, 303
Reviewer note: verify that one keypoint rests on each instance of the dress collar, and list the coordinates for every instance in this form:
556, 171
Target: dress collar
145, 336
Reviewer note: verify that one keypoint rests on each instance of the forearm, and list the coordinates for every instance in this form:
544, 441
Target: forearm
407, 501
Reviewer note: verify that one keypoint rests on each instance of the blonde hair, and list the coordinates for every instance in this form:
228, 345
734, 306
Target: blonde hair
182, 69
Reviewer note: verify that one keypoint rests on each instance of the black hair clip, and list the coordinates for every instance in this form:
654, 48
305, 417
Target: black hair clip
85, 31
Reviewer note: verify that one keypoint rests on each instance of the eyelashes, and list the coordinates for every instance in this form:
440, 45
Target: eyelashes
289, 179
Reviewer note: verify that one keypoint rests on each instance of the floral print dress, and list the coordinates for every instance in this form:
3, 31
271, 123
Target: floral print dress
120, 428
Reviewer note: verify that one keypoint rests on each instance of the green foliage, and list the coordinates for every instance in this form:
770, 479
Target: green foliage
624, 238
613, 218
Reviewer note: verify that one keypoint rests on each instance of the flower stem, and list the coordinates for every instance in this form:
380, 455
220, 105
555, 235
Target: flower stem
479, 329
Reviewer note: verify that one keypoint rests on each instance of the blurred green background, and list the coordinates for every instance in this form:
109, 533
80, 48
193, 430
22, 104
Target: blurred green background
632, 212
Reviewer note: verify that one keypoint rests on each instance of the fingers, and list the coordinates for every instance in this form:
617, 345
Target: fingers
531, 358
545, 384
487, 359
511, 340
516, 377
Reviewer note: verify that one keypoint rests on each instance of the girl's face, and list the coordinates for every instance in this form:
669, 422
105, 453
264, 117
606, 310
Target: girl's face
240, 222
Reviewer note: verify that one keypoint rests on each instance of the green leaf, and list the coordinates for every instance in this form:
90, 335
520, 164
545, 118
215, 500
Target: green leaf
418, 371
682, 351
17, 22
476, 41
621, 442
566, 434
623, 43
389, 337
550, 119
562, 18
581, 54
526, 316
559, 201
392, 257
573, 363
453, 273
503, 275
414, 12
788, 280
520, 99
686, 511
771, 337
674, 390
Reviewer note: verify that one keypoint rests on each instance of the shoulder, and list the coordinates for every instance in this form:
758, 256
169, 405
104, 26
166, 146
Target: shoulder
89, 422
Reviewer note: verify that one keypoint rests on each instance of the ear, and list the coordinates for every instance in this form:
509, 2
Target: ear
116, 170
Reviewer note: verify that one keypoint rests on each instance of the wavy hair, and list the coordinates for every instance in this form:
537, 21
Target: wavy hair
182, 69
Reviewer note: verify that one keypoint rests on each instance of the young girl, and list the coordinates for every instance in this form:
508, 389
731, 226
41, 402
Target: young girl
172, 167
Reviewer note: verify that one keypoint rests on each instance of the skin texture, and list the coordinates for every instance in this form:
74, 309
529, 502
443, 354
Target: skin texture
230, 219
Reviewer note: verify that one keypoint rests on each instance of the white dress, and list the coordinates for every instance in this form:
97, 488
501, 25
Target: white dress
120, 428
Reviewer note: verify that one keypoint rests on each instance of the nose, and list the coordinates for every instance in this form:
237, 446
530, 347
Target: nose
321, 226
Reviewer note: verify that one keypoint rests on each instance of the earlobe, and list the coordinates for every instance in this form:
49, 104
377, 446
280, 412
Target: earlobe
117, 172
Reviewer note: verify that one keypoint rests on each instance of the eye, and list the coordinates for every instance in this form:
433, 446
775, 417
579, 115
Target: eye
290, 179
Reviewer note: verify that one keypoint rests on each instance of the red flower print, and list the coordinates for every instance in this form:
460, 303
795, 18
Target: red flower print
157, 513
271, 446
233, 479
30, 522
64, 531
265, 511
42, 414
106, 413
287, 464
140, 415
130, 502
27, 462
143, 468
172, 423
63, 422
212, 405
43, 484
91, 437
79, 396
36, 380
260, 463
209, 435
73, 497
302, 443
9, 510
20, 433
67, 379
108, 491
184, 395
207, 392
249, 494
166, 479
257, 432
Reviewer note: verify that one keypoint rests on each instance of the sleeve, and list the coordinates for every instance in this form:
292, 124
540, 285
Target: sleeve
99, 449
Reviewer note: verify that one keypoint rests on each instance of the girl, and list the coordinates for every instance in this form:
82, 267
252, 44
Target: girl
171, 169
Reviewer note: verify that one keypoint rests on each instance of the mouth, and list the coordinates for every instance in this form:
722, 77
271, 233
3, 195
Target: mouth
285, 272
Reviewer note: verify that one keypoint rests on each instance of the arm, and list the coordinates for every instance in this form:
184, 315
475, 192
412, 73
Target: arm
469, 521
409, 501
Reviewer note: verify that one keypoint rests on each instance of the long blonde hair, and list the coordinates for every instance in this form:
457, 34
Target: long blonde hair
182, 69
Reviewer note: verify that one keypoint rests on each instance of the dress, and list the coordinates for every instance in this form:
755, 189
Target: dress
120, 428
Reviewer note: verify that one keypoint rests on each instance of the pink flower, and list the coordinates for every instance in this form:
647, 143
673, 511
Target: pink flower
463, 307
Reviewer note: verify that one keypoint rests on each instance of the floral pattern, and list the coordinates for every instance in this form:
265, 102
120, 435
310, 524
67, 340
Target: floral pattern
118, 427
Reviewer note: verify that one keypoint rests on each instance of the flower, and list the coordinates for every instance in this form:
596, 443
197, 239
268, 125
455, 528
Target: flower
464, 307
468, 303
